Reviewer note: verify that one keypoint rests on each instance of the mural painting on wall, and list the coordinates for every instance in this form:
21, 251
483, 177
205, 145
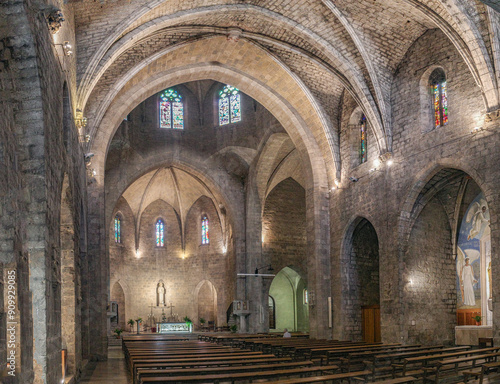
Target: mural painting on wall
474, 257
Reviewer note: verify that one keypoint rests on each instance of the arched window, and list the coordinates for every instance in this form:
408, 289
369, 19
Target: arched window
160, 233
437, 82
118, 235
171, 110
362, 143
306, 296
272, 313
204, 230
229, 105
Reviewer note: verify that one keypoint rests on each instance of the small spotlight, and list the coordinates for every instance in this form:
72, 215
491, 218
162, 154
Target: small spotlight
137, 253
390, 162
376, 163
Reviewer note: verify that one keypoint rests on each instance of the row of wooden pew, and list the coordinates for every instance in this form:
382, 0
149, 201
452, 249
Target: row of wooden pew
296, 360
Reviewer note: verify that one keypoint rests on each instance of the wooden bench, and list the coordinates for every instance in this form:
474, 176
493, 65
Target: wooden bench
485, 369
142, 373
195, 361
232, 377
439, 370
321, 379
418, 363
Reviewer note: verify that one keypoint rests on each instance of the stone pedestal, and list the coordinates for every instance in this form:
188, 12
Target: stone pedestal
470, 334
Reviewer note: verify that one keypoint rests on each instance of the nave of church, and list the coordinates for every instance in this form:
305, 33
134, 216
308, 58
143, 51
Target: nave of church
326, 167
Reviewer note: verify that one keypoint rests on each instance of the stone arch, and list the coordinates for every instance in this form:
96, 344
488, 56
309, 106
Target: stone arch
350, 75
206, 303
286, 290
118, 295
433, 211
298, 122
361, 281
412, 204
68, 280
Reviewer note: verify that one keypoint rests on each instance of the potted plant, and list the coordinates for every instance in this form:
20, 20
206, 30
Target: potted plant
118, 332
477, 318
138, 321
189, 322
131, 322
202, 322
233, 328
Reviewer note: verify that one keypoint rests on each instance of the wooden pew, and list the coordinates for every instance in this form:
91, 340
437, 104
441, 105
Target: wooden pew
485, 369
255, 375
418, 363
142, 373
438, 372
198, 360
386, 363
357, 376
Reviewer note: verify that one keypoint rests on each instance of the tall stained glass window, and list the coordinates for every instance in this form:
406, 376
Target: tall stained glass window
306, 297
160, 233
118, 238
229, 105
204, 231
362, 145
439, 97
171, 110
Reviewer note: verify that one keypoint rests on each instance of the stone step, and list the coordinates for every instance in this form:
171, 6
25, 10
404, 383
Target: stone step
113, 341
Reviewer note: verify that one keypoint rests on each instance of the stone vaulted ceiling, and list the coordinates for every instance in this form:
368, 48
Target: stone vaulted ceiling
329, 46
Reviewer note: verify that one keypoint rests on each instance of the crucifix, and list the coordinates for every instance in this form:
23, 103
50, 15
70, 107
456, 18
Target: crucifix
171, 309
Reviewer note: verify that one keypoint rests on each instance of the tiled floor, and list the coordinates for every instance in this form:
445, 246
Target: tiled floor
111, 371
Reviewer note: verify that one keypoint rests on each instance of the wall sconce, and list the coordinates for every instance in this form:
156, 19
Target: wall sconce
67, 48
137, 253
80, 121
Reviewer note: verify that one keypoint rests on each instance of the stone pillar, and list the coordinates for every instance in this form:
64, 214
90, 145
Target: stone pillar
98, 273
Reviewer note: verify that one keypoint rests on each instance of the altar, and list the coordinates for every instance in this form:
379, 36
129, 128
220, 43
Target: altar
174, 327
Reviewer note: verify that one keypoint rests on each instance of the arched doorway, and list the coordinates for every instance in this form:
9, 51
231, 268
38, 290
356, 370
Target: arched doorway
118, 296
291, 311
361, 301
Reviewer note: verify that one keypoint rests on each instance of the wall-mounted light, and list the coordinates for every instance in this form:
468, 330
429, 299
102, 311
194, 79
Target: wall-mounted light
67, 48
80, 120
137, 254
224, 249
476, 129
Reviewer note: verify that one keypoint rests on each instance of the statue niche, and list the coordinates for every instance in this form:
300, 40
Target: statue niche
160, 294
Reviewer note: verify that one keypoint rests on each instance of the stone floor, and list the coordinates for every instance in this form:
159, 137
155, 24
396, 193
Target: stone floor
111, 371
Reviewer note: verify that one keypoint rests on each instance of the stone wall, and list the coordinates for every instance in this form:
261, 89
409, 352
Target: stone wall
283, 227
185, 272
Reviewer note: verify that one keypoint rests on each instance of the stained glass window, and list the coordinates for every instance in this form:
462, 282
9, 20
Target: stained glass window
171, 110
160, 233
118, 238
439, 97
306, 297
362, 145
204, 231
229, 105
